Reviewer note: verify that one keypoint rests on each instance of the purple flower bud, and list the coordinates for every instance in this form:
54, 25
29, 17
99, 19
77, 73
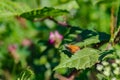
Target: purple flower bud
51, 38
55, 38
12, 48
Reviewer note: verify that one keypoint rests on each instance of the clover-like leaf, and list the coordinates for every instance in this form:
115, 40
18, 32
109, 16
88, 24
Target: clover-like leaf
82, 59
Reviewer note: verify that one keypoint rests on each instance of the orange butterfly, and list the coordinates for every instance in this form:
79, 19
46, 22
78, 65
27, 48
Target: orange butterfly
72, 48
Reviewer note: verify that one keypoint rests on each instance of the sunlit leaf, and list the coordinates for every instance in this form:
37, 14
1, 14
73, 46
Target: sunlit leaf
91, 40
9, 8
82, 59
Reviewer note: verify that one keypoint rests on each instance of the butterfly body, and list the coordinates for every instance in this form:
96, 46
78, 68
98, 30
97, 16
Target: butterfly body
72, 48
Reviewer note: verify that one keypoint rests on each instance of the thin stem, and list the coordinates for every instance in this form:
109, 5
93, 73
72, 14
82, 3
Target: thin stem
112, 25
114, 22
117, 32
60, 23
117, 37
13, 70
52, 19
117, 14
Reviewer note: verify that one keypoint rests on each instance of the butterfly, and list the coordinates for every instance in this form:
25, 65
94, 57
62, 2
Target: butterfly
72, 48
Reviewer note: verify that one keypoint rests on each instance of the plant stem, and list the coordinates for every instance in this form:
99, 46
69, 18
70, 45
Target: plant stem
114, 22
71, 76
112, 25
52, 19
60, 23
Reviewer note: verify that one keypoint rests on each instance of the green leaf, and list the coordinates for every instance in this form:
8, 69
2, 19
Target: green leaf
94, 2
117, 36
10, 8
27, 74
85, 37
68, 5
82, 59
105, 53
91, 40
117, 47
43, 13
72, 34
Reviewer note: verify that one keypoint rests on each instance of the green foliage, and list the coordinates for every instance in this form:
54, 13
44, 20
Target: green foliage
87, 26
108, 70
91, 40
26, 75
105, 54
77, 36
43, 13
82, 59
9, 8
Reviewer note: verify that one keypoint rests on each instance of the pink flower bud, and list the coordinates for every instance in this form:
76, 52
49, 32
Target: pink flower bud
51, 38
58, 36
12, 48
13, 52
26, 42
55, 38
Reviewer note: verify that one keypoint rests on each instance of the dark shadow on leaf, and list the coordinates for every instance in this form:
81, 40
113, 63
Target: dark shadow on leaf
87, 33
105, 53
103, 36
68, 53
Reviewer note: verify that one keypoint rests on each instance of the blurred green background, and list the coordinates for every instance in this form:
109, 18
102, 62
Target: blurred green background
24, 43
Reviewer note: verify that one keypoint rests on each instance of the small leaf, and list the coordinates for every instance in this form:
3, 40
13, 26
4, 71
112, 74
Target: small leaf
91, 40
72, 34
105, 53
64, 57
82, 59
43, 13
27, 74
